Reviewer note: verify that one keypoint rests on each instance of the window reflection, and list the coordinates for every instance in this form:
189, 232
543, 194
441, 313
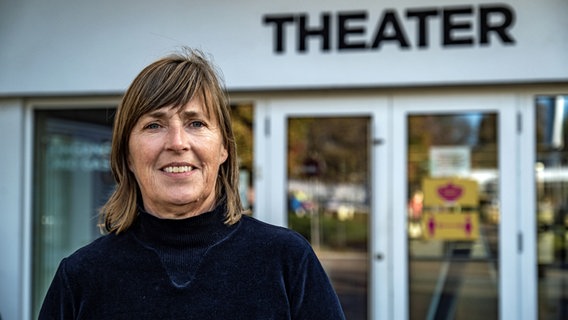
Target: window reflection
453, 216
71, 181
242, 118
552, 208
328, 200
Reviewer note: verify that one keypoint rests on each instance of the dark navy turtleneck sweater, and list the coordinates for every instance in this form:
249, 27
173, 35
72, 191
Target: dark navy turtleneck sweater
195, 268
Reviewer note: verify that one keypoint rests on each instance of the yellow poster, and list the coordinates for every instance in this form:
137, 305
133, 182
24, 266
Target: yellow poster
450, 192
451, 226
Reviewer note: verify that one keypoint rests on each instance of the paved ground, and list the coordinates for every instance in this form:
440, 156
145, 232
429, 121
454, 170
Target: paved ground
349, 275
468, 289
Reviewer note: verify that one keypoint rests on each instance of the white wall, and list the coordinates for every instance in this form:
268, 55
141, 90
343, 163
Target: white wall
67, 46
11, 212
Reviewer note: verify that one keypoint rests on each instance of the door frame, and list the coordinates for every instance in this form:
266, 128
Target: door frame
388, 250
514, 262
271, 176
526, 192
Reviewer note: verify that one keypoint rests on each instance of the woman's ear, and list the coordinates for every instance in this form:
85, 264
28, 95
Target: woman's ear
224, 155
129, 163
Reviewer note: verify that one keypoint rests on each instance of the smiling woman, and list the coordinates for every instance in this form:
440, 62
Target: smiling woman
175, 155
178, 245
159, 92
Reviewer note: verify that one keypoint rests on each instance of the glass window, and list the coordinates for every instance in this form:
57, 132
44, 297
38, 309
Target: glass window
71, 181
453, 216
552, 205
242, 119
329, 200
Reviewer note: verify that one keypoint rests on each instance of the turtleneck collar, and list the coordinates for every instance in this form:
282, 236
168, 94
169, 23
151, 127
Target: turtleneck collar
202, 230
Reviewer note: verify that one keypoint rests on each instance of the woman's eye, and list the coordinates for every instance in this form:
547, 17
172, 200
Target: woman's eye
197, 124
152, 126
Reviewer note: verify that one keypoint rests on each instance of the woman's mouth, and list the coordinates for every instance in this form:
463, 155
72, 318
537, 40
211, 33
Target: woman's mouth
177, 169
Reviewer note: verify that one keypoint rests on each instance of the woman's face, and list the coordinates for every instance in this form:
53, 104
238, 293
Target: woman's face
175, 155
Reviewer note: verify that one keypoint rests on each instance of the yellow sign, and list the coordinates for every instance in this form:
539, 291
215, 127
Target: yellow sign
451, 226
450, 191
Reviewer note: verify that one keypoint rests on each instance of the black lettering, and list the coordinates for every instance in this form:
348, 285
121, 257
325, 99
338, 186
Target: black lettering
457, 28
304, 32
390, 19
449, 26
422, 17
279, 22
344, 30
506, 17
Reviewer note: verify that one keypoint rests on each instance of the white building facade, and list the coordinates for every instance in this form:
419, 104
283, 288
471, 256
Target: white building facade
419, 146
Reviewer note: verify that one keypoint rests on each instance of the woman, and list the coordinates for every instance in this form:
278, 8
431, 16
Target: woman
178, 246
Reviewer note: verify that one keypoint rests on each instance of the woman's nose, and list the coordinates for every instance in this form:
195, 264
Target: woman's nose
177, 139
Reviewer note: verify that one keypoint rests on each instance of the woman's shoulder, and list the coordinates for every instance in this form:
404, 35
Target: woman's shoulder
265, 233
99, 251
266, 228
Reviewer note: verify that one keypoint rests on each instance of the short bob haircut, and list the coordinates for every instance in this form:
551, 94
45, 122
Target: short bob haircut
172, 81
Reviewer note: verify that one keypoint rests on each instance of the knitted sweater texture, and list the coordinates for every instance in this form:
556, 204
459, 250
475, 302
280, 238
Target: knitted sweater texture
195, 268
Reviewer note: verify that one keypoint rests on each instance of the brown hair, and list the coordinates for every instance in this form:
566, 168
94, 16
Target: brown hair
170, 81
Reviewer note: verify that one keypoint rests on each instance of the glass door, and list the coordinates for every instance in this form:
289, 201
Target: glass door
329, 199
416, 204
323, 157
457, 160
551, 173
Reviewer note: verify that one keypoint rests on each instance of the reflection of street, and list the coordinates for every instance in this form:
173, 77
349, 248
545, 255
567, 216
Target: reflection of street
441, 289
349, 274
451, 279
553, 297
452, 290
